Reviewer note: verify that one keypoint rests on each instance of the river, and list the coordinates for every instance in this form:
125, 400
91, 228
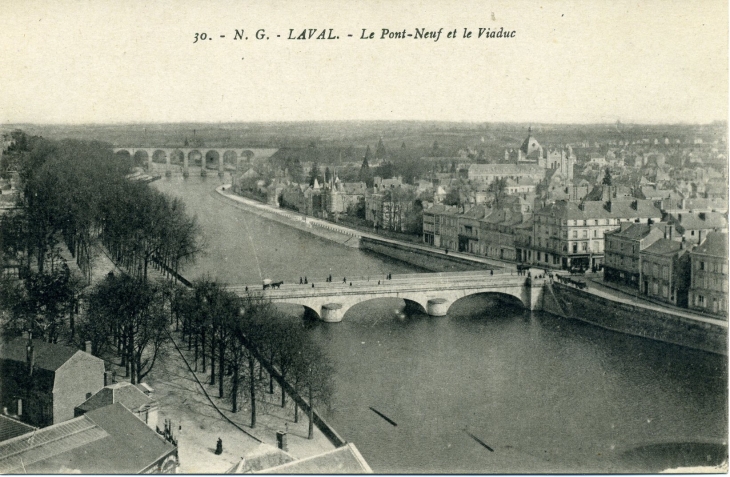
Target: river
541, 393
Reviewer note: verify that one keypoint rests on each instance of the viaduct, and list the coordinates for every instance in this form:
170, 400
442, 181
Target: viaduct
182, 158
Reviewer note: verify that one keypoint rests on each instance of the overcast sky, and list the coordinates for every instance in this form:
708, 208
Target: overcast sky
570, 61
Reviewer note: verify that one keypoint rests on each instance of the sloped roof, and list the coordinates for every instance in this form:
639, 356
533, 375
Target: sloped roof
123, 393
693, 221
663, 247
715, 244
506, 169
570, 210
10, 428
107, 440
48, 356
633, 232
343, 460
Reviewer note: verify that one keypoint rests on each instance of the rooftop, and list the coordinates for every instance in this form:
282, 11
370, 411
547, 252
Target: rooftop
715, 244
106, 440
48, 356
123, 393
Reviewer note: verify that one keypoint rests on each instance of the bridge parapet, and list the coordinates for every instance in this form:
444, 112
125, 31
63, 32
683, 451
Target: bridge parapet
332, 300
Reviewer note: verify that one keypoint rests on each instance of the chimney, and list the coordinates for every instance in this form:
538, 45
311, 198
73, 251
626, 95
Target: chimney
108, 378
87, 347
668, 231
30, 357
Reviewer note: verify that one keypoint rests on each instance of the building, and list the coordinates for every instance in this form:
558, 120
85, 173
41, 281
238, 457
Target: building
42, 382
709, 275
488, 173
622, 260
694, 227
665, 270
570, 234
128, 395
108, 440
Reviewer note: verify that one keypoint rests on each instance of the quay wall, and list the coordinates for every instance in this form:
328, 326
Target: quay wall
332, 232
435, 261
633, 320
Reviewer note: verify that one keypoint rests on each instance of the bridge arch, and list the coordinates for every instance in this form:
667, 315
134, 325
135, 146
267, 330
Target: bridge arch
230, 158
159, 157
247, 155
212, 158
141, 158
177, 157
195, 158
506, 298
123, 153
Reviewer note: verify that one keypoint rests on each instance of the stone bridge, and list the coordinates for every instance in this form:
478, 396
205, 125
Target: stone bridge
432, 293
182, 158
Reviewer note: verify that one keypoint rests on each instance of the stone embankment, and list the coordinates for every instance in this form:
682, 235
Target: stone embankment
634, 319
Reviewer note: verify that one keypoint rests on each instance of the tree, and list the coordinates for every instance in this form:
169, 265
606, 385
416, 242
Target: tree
380, 152
365, 175
314, 377
607, 178
133, 311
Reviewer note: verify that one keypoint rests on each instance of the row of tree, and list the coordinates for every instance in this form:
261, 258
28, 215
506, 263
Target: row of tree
244, 343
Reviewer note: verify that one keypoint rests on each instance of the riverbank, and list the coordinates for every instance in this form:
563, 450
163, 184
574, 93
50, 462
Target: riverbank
354, 238
637, 319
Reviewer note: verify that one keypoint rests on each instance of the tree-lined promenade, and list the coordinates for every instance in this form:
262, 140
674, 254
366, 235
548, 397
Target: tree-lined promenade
74, 195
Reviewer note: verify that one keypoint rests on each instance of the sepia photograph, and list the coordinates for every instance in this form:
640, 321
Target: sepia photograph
389, 237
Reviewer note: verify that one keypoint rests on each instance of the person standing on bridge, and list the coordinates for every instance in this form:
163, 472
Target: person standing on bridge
344, 279
300, 280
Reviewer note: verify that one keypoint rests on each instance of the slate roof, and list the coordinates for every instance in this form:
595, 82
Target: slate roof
107, 440
343, 460
715, 245
570, 210
633, 232
123, 393
10, 428
663, 247
506, 169
48, 356
693, 221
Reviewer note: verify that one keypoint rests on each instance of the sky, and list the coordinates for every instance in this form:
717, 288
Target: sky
99, 61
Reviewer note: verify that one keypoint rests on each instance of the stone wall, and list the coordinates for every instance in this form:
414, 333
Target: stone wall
637, 321
435, 261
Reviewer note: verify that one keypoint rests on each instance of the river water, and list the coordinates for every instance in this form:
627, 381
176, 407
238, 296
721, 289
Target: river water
541, 393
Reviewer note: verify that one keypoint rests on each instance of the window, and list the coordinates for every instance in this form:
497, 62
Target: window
665, 272
595, 233
655, 288
584, 247
655, 270
665, 291
585, 234
702, 265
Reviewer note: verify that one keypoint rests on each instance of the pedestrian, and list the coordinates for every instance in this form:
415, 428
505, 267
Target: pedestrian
446, 251
350, 283
246, 289
300, 280
305, 280
344, 279
219, 447
491, 272
378, 282
312, 284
